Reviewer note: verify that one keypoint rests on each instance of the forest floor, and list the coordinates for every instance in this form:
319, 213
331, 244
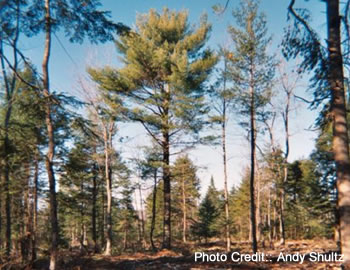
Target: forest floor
184, 258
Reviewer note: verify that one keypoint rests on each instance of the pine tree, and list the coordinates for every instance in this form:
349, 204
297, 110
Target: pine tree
163, 80
222, 105
185, 190
127, 215
207, 215
239, 211
252, 70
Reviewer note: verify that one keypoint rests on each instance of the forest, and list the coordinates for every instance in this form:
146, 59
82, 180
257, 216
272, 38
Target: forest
217, 141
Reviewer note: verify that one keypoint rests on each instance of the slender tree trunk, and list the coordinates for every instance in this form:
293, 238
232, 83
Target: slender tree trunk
227, 217
274, 220
340, 127
166, 191
184, 212
94, 208
252, 168
51, 142
7, 193
108, 173
25, 238
285, 165
281, 219
35, 206
142, 218
269, 218
103, 219
139, 237
166, 172
258, 205
154, 200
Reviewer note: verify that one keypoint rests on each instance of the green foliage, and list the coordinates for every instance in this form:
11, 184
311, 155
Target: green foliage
207, 215
239, 210
307, 208
185, 186
159, 212
163, 79
301, 40
251, 67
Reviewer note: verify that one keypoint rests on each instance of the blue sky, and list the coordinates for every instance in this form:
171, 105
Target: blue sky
69, 61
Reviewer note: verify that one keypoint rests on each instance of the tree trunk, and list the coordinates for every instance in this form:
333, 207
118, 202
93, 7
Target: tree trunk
154, 199
142, 218
184, 212
281, 219
258, 205
340, 127
108, 174
7, 192
35, 206
166, 191
252, 168
166, 171
281, 214
227, 221
103, 218
51, 142
274, 221
269, 218
285, 164
26, 236
139, 237
94, 209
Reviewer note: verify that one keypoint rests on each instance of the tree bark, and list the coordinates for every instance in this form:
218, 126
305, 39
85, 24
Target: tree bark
108, 173
103, 219
51, 142
35, 206
184, 212
227, 221
252, 167
269, 218
340, 126
166, 171
94, 208
142, 217
166, 191
285, 164
258, 205
139, 234
154, 200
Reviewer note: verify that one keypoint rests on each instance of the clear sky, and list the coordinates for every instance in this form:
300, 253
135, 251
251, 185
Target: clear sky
69, 61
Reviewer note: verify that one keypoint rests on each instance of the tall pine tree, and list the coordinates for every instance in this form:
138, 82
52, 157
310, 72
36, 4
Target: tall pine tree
162, 82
